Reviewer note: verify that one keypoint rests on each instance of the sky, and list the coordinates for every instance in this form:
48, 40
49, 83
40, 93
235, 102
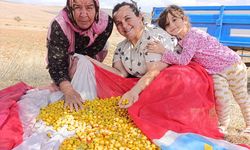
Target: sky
146, 5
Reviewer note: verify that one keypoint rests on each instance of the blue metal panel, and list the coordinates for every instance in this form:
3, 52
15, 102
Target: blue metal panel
237, 19
239, 41
203, 18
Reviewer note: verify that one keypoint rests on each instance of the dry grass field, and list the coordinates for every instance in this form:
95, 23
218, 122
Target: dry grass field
23, 30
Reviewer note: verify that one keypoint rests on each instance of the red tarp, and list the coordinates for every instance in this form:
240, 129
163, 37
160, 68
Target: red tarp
181, 99
11, 130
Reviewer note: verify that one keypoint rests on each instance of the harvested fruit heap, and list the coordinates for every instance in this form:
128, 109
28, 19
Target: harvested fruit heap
101, 124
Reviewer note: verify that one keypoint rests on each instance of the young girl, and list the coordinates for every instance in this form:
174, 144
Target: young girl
228, 71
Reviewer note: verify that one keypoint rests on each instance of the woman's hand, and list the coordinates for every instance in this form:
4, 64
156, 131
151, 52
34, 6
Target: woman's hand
155, 47
72, 97
131, 96
153, 69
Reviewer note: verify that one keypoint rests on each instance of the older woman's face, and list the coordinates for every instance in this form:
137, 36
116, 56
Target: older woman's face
84, 13
128, 24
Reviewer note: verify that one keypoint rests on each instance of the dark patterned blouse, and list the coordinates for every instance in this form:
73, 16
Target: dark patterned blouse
58, 45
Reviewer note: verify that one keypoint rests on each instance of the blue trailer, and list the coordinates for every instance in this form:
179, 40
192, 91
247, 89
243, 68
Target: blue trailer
229, 24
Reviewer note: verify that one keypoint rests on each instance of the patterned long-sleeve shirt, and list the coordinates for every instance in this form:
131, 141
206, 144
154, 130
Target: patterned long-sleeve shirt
204, 49
58, 56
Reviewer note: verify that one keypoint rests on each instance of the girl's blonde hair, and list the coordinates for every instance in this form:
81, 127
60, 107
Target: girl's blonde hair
175, 11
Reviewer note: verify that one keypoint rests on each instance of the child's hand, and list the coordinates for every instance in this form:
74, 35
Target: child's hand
155, 47
128, 99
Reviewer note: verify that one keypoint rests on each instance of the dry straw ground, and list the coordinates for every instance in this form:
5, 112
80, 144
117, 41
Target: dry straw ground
23, 30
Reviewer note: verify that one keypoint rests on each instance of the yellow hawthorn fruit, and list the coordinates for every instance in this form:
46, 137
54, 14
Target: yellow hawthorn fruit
101, 124
125, 102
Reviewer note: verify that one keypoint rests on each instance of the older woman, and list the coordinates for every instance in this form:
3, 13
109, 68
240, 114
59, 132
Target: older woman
82, 28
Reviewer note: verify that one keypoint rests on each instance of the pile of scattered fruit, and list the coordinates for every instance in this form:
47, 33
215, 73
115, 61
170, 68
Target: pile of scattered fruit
101, 124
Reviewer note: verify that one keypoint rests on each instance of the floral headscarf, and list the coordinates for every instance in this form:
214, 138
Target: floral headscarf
67, 22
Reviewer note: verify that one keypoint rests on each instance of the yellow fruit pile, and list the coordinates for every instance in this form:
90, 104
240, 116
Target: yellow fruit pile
101, 124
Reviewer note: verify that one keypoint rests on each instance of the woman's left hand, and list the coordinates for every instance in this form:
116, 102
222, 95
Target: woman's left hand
131, 96
155, 47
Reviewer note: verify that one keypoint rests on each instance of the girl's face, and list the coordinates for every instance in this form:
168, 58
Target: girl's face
84, 13
177, 25
128, 24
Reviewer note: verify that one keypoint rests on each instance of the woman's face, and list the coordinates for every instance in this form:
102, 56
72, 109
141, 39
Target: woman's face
176, 26
128, 24
84, 13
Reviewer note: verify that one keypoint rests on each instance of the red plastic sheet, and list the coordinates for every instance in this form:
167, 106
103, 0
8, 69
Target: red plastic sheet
11, 130
109, 84
181, 99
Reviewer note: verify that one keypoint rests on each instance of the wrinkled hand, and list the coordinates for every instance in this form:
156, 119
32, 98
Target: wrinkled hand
131, 96
73, 100
155, 47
